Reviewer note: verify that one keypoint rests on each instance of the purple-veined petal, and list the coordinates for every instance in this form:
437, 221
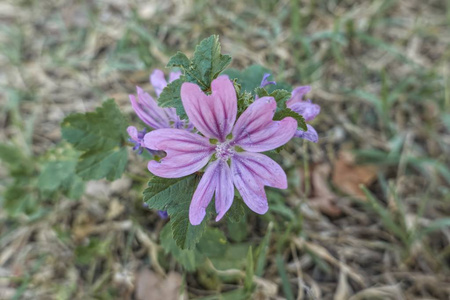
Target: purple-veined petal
148, 110
217, 178
158, 81
255, 131
186, 152
224, 190
133, 132
203, 194
297, 94
307, 109
213, 115
251, 172
174, 76
310, 134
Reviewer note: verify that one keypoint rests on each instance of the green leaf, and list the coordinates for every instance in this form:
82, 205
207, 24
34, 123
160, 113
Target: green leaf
205, 66
213, 243
237, 231
287, 289
249, 78
237, 210
179, 60
261, 92
109, 164
17, 162
281, 96
189, 259
290, 113
208, 62
170, 97
54, 173
262, 252
249, 271
18, 199
174, 195
101, 135
58, 173
233, 258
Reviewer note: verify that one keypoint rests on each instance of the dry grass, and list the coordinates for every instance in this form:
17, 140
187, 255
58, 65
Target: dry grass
379, 69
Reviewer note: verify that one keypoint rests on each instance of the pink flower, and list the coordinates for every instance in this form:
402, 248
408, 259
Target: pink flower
147, 108
307, 109
151, 114
159, 82
228, 148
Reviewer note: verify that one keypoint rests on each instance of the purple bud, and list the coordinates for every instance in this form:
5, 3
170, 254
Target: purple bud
265, 82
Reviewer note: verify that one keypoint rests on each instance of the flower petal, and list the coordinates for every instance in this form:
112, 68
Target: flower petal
224, 190
148, 110
217, 178
307, 109
310, 134
174, 76
213, 115
255, 131
187, 152
251, 172
133, 133
158, 81
297, 94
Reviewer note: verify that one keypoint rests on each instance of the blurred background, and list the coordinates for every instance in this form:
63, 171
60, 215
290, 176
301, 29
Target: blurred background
366, 215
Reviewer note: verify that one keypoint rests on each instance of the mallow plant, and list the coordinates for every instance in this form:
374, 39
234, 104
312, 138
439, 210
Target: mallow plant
207, 131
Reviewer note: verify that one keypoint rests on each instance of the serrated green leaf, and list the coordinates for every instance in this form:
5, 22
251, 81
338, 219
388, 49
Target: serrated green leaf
170, 97
103, 128
290, 113
208, 62
179, 60
174, 195
189, 259
261, 92
205, 66
109, 164
281, 96
54, 173
101, 136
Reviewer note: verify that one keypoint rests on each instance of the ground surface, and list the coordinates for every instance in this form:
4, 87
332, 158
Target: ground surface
380, 71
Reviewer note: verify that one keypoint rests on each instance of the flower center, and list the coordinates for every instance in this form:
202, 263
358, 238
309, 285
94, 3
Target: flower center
224, 151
